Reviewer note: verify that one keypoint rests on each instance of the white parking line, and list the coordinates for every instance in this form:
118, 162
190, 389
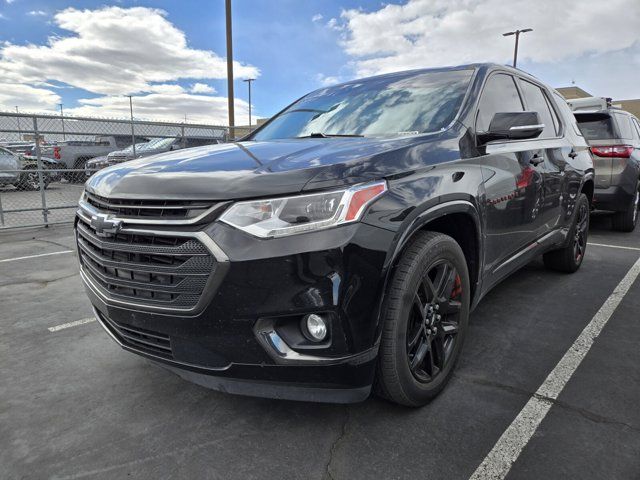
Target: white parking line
35, 256
506, 451
613, 246
71, 324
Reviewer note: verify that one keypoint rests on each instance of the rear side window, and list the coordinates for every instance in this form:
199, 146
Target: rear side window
537, 102
566, 113
637, 125
596, 126
624, 126
499, 95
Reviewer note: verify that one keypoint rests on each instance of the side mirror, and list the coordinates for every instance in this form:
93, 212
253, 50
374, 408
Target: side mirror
512, 126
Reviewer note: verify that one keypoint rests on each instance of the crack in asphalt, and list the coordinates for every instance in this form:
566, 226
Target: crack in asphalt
587, 414
51, 242
334, 446
40, 283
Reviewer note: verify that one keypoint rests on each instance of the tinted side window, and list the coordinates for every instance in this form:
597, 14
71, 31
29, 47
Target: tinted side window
637, 125
499, 95
537, 102
624, 127
565, 112
556, 120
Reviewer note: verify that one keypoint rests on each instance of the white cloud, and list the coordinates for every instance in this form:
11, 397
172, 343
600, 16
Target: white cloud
168, 107
326, 81
114, 50
334, 23
165, 88
317, 17
423, 33
28, 98
37, 13
202, 88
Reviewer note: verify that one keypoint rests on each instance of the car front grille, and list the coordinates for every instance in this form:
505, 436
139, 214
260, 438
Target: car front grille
165, 271
149, 209
139, 339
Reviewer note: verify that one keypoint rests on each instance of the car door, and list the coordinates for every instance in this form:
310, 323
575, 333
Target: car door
512, 178
552, 153
9, 164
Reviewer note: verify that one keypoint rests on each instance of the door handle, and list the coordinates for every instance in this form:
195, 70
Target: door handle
536, 160
573, 154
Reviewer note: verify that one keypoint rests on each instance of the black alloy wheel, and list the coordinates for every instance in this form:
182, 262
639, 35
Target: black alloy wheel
569, 258
424, 320
581, 232
433, 325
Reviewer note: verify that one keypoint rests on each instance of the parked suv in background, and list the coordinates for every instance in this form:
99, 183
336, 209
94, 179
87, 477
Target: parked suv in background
614, 136
152, 147
345, 240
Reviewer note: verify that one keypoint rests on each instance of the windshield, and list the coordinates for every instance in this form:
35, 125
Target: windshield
156, 143
388, 105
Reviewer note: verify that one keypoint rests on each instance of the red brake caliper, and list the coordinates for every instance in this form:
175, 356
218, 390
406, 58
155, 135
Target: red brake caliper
457, 287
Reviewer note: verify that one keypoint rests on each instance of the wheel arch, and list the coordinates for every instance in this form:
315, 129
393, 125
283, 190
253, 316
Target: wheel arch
460, 220
588, 189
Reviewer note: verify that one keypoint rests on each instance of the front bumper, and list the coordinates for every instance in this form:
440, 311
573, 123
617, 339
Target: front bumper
244, 337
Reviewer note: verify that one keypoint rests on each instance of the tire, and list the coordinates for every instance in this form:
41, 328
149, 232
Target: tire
626, 221
422, 337
29, 180
569, 258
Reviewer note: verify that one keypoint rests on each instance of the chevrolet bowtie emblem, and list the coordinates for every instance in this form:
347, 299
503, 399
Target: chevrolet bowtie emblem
104, 225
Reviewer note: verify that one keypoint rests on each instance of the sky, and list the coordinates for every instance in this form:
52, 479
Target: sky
171, 55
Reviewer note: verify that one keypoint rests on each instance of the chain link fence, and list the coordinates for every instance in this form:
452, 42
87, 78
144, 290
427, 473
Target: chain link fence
45, 159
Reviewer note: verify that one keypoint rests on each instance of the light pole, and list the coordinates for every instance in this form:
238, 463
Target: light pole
249, 80
232, 119
19, 129
517, 34
62, 119
133, 135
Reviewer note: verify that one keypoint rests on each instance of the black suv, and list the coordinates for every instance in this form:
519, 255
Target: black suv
344, 243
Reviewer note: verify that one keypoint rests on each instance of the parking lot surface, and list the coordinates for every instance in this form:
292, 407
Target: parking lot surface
73, 405
60, 197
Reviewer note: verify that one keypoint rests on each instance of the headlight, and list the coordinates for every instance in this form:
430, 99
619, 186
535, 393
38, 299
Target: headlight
279, 217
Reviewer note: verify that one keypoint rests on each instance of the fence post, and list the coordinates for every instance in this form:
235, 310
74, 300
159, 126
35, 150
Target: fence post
1, 212
183, 140
40, 175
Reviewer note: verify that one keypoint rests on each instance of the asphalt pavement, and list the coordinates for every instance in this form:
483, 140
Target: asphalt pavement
74, 405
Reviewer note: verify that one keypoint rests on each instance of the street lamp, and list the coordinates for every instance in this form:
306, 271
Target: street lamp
517, 34
19, 129
249, 80
62, 119
133, 135
232, 120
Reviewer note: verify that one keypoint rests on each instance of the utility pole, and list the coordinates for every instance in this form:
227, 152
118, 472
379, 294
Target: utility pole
249, 80
232, 120
133, 135
19, 129
517, 34
62, 119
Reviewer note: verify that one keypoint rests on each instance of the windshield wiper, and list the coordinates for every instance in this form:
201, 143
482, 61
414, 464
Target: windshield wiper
328, 135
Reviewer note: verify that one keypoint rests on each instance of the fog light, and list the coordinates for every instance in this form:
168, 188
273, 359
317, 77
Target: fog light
316, 327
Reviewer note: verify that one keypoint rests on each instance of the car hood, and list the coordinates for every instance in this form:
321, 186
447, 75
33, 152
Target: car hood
252, 169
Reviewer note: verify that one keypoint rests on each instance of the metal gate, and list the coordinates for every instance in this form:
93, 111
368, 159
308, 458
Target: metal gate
45, 159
